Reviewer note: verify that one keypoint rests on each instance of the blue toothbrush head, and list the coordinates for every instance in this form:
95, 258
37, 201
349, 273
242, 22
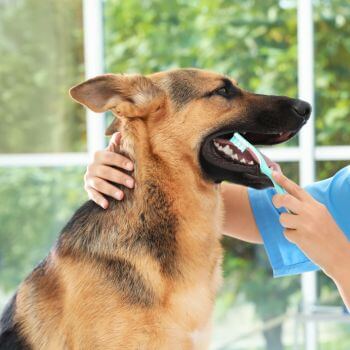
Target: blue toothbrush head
242, 144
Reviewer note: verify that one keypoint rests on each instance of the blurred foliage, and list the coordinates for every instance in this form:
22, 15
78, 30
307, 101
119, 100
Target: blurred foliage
253, 41
332, 71
41, 58
35, 204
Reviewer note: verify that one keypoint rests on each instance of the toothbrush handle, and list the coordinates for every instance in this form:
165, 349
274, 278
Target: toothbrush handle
280, 190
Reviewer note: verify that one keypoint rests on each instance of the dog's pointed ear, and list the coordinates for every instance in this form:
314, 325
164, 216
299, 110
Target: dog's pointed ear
125, 95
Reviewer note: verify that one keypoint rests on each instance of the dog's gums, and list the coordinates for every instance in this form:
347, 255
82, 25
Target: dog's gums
229, 151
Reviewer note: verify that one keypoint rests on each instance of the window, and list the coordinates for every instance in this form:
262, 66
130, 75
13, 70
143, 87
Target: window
42, 134
46, 47
41, 49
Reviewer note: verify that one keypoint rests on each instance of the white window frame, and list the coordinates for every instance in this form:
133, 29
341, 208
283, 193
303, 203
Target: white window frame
306, 153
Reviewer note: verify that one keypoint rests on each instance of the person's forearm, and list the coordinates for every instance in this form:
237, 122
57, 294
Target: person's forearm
239, 220
344, 290
340, 273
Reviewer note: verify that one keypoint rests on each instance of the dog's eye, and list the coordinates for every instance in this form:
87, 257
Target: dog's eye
227, 90
223, 91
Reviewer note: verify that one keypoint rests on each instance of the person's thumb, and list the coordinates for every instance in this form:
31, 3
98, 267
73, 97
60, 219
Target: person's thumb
114, 142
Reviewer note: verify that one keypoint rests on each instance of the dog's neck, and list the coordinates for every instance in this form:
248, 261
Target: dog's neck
171, 207
158, 159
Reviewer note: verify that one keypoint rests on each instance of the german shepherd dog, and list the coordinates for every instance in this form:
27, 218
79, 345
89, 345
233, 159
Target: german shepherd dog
143, 274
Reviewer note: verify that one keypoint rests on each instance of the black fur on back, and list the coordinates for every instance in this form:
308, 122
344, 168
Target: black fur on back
95, 234
10, 337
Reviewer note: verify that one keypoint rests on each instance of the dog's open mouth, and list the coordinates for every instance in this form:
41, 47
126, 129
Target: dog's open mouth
222, 160
229, 151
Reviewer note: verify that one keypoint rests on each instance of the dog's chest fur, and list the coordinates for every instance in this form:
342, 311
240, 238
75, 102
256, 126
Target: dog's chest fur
146, 270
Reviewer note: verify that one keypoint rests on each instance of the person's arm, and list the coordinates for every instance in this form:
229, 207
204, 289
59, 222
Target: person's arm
238, 221
313, 229
343, 285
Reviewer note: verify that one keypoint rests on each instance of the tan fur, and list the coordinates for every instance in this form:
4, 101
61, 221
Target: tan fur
69, 303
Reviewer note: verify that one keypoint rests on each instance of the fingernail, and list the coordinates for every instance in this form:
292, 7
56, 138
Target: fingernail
130, 183
104, 205
129, 166
118, 195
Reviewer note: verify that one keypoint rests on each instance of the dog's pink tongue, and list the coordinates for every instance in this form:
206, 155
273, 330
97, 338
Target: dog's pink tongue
272, 165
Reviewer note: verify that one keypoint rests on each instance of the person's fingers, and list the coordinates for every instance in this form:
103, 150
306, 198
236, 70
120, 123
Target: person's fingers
111, 174
97, 197
287, 201
110, 158
111, 147
290, 221
115, 138
114, 142
290, 186
292, 235
104, 187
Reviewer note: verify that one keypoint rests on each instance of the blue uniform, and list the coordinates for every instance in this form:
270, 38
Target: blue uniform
285, 257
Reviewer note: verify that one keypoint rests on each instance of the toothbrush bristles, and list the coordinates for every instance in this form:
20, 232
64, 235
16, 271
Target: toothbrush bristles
238, 144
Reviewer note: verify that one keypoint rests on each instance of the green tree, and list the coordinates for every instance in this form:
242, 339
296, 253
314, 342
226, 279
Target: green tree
35, 204
41, 58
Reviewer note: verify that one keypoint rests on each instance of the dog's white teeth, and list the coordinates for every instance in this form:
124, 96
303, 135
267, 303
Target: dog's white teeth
280, 134
218, 146
228, 150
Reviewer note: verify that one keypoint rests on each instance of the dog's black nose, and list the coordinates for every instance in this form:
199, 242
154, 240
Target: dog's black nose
303, 109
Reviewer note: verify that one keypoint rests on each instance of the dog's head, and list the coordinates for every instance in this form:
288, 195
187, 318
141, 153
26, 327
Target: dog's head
192, 114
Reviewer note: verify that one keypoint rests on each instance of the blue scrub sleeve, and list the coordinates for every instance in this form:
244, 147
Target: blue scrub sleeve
285, 257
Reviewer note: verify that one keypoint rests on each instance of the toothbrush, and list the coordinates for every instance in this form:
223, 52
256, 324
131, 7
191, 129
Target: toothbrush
242, 144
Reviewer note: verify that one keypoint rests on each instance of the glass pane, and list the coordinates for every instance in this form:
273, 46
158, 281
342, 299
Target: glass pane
36, 203
333, 335
251, 299
327, 169
41, 58
332, 75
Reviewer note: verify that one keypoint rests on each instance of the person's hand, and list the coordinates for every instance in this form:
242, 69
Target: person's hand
100, 173
312, 228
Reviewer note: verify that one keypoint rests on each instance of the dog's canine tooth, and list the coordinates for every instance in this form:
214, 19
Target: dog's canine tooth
228, 151
251, 163
243, 161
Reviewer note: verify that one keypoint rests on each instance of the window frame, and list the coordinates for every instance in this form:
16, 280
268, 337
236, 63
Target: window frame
306, 154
